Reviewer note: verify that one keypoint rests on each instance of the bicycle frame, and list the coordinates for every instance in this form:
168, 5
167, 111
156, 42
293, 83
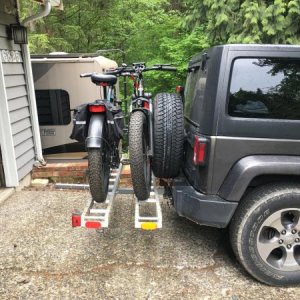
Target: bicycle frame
142, 101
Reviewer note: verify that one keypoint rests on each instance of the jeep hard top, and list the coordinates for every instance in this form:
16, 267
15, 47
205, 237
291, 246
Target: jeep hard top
241, 164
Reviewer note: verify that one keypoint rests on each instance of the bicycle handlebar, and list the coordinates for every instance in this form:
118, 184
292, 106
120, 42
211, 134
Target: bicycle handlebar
127, 71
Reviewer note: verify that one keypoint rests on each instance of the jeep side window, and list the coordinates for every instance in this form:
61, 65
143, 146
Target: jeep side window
265, 88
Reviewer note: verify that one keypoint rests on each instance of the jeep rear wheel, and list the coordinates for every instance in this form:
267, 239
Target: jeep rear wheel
265, 234
168, 135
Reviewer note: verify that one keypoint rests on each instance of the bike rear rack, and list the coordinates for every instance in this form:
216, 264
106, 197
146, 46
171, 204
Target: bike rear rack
97, 215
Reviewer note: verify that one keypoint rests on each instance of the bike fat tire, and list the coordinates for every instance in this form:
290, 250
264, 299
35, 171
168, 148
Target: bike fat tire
98, 170
139, 160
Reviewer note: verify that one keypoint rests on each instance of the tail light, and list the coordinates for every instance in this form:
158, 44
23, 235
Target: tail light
93, 225
146, 105
179, 89
200, 145
97, 108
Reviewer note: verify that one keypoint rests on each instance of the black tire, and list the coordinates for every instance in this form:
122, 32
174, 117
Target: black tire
98, 173
139, 160
168, 135
265, 230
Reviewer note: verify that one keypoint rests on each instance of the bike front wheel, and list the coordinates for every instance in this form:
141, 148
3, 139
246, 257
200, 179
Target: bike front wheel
139, 158
98, 170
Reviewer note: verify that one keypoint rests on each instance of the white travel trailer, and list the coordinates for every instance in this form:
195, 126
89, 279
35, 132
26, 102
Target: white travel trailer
59, 89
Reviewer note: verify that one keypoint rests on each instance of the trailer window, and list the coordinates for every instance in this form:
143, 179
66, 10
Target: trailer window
53, 107
265, 88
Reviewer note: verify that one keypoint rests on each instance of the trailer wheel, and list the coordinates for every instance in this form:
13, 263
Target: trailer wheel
168, 135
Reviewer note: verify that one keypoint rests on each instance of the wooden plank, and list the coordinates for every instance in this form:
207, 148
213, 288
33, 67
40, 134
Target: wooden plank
24, 147
13, 69
17, 103
19, 114
20, 126
25, 158
8, 45
16, 92
13, 80
22, 136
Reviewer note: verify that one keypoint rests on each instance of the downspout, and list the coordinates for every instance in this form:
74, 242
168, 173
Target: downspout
44, 11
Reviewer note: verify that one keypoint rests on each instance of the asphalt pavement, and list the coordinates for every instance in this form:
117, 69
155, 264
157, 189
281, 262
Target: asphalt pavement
43, 257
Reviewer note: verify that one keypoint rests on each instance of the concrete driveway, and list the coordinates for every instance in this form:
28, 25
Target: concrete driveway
43, 257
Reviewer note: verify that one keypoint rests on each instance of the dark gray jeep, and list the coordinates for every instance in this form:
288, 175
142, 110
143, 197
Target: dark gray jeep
242, 154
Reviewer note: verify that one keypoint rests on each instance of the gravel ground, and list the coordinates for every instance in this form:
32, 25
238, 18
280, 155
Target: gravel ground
43, 257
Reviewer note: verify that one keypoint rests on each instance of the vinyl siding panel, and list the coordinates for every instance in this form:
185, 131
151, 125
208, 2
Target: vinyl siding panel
24, 147
16, 92
6, 44
25, 159
10, 81
3, 33
17, 97
16, 103
13, 69
19, 115
22, 136
26, 169
20, 126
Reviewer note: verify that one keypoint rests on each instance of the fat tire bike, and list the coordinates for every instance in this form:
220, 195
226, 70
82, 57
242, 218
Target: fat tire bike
103, 152
140, 136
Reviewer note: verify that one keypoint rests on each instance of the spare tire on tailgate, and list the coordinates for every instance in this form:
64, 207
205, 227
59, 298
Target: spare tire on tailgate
168, 135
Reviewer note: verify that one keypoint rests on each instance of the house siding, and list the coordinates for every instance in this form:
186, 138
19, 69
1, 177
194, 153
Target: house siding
17, 97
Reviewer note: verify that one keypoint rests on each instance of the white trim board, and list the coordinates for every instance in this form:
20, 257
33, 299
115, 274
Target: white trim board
6, 137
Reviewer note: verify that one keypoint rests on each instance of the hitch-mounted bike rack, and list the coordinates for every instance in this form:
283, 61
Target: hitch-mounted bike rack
97, 215
149, 222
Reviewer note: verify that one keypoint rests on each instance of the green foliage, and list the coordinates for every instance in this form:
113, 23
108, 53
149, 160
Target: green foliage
161, 31
234, 21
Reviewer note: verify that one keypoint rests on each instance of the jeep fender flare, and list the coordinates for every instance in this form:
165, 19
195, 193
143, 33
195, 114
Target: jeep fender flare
247, 168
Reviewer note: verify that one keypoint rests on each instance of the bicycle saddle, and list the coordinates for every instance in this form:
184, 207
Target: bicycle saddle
103, 78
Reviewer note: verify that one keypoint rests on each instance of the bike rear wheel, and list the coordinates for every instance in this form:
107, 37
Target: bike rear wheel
139, 159
98, 170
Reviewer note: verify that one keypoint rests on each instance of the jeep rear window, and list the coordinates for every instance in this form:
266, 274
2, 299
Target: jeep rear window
265, 88
195, 85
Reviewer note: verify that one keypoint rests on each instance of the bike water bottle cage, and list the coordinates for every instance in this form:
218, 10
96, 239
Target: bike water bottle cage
103, 79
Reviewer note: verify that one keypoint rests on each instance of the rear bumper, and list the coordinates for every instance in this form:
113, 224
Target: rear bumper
210, 210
